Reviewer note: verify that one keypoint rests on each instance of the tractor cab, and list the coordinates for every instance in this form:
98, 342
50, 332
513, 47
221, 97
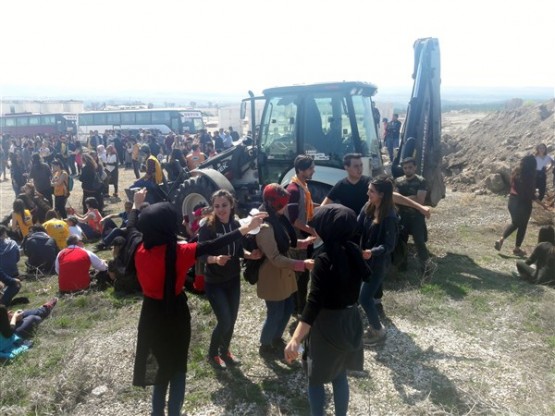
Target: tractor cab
325, 121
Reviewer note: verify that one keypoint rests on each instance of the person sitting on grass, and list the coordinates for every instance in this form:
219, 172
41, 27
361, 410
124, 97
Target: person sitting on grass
91, 222
74, 228
40, 249
543, 257
11, 287
56, 228
36, 203
21, 219
123, 278
73, 264
9, 253
114, 230
18, 326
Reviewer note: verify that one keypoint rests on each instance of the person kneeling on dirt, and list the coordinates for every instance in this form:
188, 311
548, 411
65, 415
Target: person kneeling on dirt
40, 249
543, 257
73, 264
18, 326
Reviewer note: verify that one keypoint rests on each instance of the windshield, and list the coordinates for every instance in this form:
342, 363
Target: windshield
366, 127
192, 124
278, 129
323, 124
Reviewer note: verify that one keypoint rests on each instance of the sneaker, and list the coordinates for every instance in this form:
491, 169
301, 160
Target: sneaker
51, 303
374, 336
230, 359
217, 363
519, 252
498, 244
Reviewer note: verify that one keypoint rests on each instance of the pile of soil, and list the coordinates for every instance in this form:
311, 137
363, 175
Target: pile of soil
480, 157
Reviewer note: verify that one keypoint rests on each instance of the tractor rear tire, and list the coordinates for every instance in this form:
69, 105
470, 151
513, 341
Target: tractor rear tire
193, 191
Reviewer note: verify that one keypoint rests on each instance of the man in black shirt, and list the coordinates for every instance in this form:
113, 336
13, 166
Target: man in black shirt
413, 223
350, 191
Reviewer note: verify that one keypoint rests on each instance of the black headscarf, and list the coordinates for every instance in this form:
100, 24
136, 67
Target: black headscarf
336, 225
284, 233
159, 224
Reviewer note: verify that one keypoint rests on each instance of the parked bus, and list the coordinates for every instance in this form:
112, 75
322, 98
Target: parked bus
29, 124
165, 120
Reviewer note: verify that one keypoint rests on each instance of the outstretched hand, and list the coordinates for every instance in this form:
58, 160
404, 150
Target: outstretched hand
256, 220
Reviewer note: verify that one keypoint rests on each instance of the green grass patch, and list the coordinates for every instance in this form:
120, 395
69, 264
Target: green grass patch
433, 291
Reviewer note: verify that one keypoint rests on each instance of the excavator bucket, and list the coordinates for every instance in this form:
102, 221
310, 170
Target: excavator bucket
421, 133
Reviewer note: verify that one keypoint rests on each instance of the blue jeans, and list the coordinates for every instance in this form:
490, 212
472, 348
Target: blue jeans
391, 145
114, 232
224, 299
368, 292
317, 396
31, 319
277, 317
176, 398
88, 231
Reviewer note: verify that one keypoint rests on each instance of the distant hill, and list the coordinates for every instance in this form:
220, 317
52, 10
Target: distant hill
399, 96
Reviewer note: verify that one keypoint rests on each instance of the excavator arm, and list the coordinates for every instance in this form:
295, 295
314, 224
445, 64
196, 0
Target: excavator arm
421, 133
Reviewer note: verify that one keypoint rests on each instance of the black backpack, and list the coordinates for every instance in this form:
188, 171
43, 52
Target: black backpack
251, 268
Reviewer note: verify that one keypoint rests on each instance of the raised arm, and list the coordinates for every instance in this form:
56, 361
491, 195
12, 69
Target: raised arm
412, 203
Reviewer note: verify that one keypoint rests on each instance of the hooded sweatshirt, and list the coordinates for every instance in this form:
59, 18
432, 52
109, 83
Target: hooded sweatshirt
213, 272
9, 256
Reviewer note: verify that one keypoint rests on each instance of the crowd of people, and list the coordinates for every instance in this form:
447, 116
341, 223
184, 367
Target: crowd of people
50, 235
318, 262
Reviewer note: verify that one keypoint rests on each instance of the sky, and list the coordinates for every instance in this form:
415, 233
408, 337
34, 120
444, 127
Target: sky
227, 47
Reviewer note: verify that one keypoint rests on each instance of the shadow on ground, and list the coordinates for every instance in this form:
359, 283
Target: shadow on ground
456, 275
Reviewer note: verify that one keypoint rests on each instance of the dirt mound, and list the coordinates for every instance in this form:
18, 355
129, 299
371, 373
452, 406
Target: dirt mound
481, 156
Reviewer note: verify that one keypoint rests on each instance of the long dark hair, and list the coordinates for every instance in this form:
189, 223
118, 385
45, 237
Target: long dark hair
212, 219
525, 173
383, 185
19, 207
5, 328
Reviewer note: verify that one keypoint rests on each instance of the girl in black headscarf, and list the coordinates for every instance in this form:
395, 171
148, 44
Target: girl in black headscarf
331, 315
165, 322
